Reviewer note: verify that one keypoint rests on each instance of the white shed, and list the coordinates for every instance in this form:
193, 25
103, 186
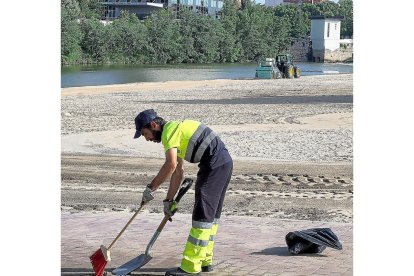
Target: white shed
325, 35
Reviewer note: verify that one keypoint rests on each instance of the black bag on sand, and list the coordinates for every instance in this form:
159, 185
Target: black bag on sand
313, 240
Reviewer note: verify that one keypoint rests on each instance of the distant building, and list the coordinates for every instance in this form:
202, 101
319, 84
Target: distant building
273, 3
143, 8
303, 1
313, 1
325, 38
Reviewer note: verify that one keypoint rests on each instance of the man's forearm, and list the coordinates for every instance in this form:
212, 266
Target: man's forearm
166, 170
176, 179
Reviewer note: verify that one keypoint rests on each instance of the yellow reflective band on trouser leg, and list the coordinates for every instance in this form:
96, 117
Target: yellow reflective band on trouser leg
196, 247
210, 247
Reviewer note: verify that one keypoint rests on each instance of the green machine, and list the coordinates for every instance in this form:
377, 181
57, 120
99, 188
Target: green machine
285, 65
266, 69
275, 68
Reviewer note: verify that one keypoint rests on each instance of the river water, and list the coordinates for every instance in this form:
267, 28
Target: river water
73, 76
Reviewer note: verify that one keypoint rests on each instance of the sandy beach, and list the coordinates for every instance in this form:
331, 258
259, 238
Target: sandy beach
291, 141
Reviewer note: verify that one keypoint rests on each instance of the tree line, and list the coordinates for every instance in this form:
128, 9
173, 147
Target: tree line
239, 35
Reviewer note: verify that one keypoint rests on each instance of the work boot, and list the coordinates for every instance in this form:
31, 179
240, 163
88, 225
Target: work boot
207, 268
179, 272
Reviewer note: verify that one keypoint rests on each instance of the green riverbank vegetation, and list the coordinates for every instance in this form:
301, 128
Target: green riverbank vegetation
239, 35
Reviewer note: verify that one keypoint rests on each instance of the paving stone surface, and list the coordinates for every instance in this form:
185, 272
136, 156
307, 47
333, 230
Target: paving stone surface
244, 245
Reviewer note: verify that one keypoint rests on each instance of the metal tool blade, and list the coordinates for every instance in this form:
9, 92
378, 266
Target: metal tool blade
132, 265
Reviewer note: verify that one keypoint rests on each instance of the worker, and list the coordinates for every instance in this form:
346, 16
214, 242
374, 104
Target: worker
196, 143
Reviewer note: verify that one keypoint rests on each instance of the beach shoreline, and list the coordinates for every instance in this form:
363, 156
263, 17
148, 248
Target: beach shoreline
291, 141
184, 84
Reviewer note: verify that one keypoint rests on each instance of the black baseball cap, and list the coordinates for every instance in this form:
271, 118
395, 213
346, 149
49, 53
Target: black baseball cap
143, 118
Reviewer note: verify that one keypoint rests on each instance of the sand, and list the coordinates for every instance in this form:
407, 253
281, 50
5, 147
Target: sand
291, 141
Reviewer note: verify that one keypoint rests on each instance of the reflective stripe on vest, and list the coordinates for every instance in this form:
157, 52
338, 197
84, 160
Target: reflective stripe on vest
202, 147
192, 141
206, 142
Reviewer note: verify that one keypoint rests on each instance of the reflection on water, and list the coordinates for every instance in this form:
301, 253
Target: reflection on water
116, 74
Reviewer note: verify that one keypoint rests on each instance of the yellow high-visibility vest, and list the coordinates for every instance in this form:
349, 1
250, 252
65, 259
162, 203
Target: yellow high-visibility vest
185, 136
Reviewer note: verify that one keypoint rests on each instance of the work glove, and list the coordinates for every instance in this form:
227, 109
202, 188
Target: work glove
170, 207
147, 195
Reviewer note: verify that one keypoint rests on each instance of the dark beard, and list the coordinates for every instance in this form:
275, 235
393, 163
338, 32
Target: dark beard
157, 135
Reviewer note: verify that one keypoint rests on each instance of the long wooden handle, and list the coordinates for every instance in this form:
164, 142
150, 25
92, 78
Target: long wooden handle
163, 222
185, 186
125, 227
